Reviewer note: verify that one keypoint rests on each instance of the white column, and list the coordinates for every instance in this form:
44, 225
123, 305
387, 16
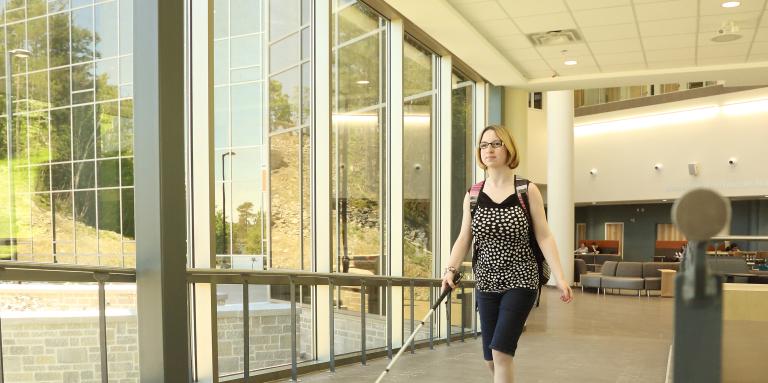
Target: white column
560, 203
395, 171
321, 197
203, 248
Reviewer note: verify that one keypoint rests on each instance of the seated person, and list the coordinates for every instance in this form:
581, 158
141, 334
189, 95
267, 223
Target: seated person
583, 249
594, 248
680, 253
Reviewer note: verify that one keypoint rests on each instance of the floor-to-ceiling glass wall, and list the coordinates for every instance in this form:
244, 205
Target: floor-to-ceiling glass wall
359, 134
261, 167
68, 181
419, 99
239, 134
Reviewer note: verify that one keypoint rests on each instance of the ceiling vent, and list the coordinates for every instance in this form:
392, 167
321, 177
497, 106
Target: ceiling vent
559, 37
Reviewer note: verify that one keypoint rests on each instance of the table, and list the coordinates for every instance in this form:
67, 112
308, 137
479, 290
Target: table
668, 282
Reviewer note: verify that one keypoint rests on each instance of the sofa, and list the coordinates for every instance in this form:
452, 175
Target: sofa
627, 276
594, 261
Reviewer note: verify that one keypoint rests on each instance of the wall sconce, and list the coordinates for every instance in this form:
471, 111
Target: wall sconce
658, 166
733, 161
593, 171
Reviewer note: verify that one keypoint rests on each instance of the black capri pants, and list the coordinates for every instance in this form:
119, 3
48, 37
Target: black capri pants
502, 317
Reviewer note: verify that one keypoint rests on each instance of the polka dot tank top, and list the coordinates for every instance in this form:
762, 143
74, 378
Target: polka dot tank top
505, 259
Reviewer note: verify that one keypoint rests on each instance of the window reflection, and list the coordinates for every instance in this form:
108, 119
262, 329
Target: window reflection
418, 260
72, 170
239, 134
358, 145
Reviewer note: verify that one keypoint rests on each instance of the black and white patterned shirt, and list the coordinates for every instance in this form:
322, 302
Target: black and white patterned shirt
504, 256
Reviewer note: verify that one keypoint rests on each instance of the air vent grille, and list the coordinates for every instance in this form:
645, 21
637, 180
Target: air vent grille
549, 38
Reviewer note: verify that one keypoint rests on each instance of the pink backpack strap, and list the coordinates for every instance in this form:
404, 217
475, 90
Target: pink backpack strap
521, 186
474, 192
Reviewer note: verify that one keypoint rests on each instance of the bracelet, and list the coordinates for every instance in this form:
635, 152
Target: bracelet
451, 269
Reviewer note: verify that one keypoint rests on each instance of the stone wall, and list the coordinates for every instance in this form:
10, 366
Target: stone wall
66, 349
50, 333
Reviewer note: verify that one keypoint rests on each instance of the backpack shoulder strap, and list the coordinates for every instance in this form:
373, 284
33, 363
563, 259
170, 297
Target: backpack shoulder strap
474, 192
521, 186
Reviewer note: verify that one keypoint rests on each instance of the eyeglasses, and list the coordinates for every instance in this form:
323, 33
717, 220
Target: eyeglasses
495, 144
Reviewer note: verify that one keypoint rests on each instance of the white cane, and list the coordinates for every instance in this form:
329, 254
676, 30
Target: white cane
456, 280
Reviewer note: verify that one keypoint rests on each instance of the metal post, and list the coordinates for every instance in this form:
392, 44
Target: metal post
246, 331
101, 278
362, 323
331, 329
389, 319
463, 298
413, 323
699, 300
431, 320
448, 319
294, 367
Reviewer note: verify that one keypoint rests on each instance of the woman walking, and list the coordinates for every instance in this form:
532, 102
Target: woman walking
506, 269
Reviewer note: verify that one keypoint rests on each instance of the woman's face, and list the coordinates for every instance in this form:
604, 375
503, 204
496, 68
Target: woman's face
493, 157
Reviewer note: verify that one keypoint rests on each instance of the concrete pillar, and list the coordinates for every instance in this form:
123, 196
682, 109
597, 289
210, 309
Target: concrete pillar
560, 207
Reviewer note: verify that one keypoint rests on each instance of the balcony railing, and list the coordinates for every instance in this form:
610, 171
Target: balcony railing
61, 278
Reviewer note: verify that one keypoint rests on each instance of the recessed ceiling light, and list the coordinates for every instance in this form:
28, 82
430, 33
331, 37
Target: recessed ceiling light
362, 82
570, 62
730, 4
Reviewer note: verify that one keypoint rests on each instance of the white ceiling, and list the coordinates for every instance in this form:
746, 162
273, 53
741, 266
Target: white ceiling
622, 39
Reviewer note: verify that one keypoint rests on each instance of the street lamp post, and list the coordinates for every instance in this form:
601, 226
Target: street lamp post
224, 197
9, 55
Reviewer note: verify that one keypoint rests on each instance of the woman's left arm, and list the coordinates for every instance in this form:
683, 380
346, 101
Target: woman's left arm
546, 240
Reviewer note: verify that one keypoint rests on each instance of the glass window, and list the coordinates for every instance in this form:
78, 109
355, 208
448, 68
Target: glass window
284, 100
358, 160
71, 161
419, 89
246, 51
284, 16
126, 26
246, 114
106, 29
462, 148
245, 18
82, 34
284, 53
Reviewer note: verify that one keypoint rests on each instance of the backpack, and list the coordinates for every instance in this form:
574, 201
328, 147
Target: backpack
521, 186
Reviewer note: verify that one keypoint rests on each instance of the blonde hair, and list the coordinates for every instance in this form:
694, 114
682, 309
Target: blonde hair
513, 160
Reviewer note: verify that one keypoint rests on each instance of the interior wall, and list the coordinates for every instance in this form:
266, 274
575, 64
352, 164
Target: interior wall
748, 218
710, 134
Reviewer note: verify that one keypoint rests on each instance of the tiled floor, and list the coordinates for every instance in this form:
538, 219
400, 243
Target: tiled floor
594, 339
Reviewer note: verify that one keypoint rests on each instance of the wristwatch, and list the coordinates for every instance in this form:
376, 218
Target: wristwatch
451, 269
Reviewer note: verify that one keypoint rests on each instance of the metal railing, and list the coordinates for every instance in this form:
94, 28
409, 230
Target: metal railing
38, 272
332, 280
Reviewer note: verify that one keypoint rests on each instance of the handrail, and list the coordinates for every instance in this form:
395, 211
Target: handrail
47, 272
306, 278
57, 272
292, 278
